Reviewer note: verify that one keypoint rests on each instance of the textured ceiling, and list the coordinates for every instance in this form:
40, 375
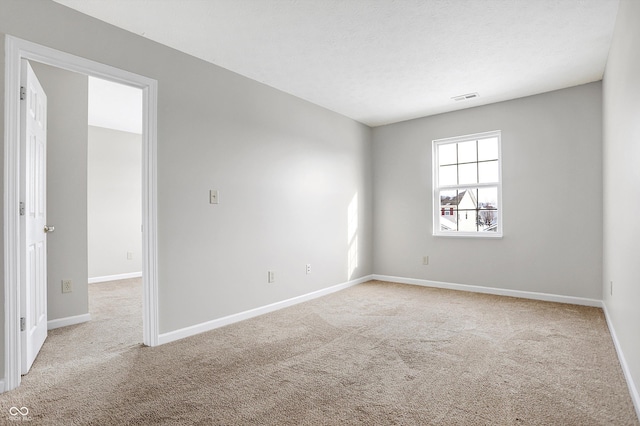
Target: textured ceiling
383, 61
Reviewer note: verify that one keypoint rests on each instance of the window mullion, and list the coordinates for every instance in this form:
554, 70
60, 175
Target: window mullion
463, 226
477, 165
468, 186
457, 165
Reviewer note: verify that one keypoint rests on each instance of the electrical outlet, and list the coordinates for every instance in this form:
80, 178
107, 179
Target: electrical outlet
129, 255
308, 268
271, 276
425, 260
66, 286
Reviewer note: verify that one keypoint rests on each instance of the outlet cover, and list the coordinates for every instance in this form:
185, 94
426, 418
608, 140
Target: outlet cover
308, 268
271, 276
66, 286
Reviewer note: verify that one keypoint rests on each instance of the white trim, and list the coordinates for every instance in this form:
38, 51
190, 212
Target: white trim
435, 177
115, 277
230, 319
465, 138
63, 322
633, 389
461, 234
11, 215
15, 50
493, 290
1, 385
150, 314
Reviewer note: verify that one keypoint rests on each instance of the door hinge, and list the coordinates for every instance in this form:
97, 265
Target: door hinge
21, 208
23, 93
23, 323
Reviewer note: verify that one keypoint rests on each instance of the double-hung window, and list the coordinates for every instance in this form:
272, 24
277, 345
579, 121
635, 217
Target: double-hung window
467, 186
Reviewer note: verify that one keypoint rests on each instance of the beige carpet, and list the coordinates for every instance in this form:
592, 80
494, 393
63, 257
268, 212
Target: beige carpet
375, 354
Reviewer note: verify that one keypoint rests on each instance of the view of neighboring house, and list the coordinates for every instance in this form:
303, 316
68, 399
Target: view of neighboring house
460, 211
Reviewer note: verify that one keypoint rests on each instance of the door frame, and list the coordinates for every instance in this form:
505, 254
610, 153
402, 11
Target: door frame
15, 50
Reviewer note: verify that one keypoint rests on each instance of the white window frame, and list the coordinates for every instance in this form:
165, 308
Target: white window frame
437, 188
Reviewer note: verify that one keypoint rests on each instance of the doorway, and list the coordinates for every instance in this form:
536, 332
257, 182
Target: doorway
114, 209
114, 206
16, 50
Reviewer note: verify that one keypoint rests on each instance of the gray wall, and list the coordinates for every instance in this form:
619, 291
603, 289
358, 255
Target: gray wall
67, 95
622, 183
286, 171
114, 202
552, 193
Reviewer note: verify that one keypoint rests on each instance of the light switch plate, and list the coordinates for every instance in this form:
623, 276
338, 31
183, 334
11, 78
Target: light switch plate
213, 196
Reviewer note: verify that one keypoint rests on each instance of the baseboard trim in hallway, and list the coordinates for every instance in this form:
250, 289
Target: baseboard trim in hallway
115, 277
63, 322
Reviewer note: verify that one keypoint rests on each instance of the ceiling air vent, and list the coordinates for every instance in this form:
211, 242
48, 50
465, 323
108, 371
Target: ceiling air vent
465, 97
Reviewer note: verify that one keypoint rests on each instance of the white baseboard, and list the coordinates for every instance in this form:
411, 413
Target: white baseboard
115, 277
63, 322
633, 389
230, 319
492, 290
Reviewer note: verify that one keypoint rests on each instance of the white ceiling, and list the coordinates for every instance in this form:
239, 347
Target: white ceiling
115, 106
383, 61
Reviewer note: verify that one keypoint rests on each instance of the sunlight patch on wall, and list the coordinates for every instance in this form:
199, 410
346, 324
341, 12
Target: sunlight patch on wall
352, 235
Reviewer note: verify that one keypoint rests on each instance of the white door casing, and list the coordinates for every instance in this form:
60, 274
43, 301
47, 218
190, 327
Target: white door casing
33, 265
15, 50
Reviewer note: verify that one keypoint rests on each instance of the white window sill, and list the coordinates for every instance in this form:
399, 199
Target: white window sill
493, 236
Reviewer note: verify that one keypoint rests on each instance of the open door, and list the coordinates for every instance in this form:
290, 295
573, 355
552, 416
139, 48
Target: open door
33, 211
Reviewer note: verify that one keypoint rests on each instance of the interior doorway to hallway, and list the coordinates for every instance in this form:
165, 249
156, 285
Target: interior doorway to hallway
91, 187
114, 181
16, 51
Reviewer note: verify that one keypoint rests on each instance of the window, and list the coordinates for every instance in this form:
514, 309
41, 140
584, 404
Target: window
467, 186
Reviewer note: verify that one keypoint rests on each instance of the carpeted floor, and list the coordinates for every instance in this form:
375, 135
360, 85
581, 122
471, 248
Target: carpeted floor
376, 354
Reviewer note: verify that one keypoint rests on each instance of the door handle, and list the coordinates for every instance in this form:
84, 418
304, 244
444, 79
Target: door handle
48, 229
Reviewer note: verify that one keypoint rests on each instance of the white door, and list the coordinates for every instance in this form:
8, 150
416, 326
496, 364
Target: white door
33, 274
